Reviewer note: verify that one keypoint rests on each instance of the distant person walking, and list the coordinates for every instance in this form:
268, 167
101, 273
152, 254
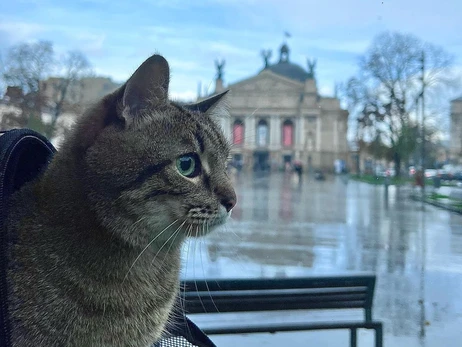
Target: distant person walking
419, 178
298, 168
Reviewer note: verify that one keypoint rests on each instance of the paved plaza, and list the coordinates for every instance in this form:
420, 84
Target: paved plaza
282, 227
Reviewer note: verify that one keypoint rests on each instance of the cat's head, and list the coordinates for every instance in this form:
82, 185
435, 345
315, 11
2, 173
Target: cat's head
150, 164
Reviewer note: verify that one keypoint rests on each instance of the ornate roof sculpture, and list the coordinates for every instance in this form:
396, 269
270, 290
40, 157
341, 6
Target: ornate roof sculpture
287, 69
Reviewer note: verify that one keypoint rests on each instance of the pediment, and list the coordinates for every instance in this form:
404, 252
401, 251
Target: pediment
266, 81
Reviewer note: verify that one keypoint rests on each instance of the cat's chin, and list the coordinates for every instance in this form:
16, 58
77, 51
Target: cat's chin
204, 228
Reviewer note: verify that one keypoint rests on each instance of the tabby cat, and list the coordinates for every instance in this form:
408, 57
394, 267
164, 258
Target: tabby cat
95, 241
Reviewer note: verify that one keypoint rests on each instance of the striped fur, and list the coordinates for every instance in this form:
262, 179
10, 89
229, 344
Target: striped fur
96, 256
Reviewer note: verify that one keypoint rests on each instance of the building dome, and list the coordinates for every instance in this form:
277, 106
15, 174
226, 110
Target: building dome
285, 68
289, 70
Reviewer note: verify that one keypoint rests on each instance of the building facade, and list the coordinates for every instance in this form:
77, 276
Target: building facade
83, 92
278, 117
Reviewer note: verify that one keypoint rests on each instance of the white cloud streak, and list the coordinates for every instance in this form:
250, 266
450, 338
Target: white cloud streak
333, 31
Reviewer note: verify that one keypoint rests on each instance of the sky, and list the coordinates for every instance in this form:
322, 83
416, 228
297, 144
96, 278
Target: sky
118, 35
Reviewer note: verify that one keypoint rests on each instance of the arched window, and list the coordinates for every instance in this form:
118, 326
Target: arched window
262, 133
238, 132
287, 133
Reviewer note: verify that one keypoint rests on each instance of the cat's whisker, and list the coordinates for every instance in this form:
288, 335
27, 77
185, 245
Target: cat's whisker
183, 299
206, 226
228, 229
174, 313
227, 233
188, 243
233, 233
236, 254
139, 220
145, 248
194, 266
216, 217
174, 234
189, 234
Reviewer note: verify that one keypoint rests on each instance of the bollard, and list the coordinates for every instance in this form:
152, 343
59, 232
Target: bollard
386, 182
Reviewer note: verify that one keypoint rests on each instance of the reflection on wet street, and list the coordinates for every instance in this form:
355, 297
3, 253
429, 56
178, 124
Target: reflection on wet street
284, 228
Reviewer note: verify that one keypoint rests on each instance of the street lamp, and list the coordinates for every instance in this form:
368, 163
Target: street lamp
422, 96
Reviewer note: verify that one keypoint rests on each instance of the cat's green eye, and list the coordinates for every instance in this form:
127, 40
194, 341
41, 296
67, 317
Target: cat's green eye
188, 165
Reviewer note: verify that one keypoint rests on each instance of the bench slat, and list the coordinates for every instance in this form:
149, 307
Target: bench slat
276, 283
301, 298
288, 291
243, 300
281, 327
283, 304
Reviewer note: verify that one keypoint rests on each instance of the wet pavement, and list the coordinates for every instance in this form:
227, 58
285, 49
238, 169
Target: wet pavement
283, 228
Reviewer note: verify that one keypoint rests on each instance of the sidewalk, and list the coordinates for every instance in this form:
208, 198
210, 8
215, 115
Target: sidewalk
442, 337
449, 198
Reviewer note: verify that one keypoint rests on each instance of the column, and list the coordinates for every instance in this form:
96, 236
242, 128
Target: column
250, 131
301, 131
278, 132
318, 133
336, 135
295, 135
273, 131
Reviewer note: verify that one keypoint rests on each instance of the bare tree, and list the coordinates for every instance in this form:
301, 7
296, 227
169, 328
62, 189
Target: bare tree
26, 65
27, 68
385, 94
67, 88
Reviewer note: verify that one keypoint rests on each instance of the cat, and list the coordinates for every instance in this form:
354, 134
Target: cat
96, 239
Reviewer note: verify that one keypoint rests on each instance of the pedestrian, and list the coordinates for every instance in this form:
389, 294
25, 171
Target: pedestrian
418, 182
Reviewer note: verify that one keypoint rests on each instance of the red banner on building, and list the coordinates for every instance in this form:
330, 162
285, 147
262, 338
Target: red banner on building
238, 134
287, 135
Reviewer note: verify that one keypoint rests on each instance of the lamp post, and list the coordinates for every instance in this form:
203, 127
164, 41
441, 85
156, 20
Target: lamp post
422, 97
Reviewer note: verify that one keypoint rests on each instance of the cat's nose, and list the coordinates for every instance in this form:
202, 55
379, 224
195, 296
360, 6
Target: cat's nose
229, 202
226, 196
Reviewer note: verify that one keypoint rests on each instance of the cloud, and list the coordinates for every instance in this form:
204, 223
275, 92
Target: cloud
90, 43
187, 95
183, 65
227, 49
200, 38
13, 32
117, 36
67, 37
115, 74
326, 91
340, 44
163, 4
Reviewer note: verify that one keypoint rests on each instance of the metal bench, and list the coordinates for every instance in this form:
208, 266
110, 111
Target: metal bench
258, 295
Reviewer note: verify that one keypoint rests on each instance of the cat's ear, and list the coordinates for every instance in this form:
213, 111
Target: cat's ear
148, 86
207, 105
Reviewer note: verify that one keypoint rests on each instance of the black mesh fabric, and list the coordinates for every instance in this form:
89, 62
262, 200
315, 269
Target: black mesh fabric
182, 332
174, 341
